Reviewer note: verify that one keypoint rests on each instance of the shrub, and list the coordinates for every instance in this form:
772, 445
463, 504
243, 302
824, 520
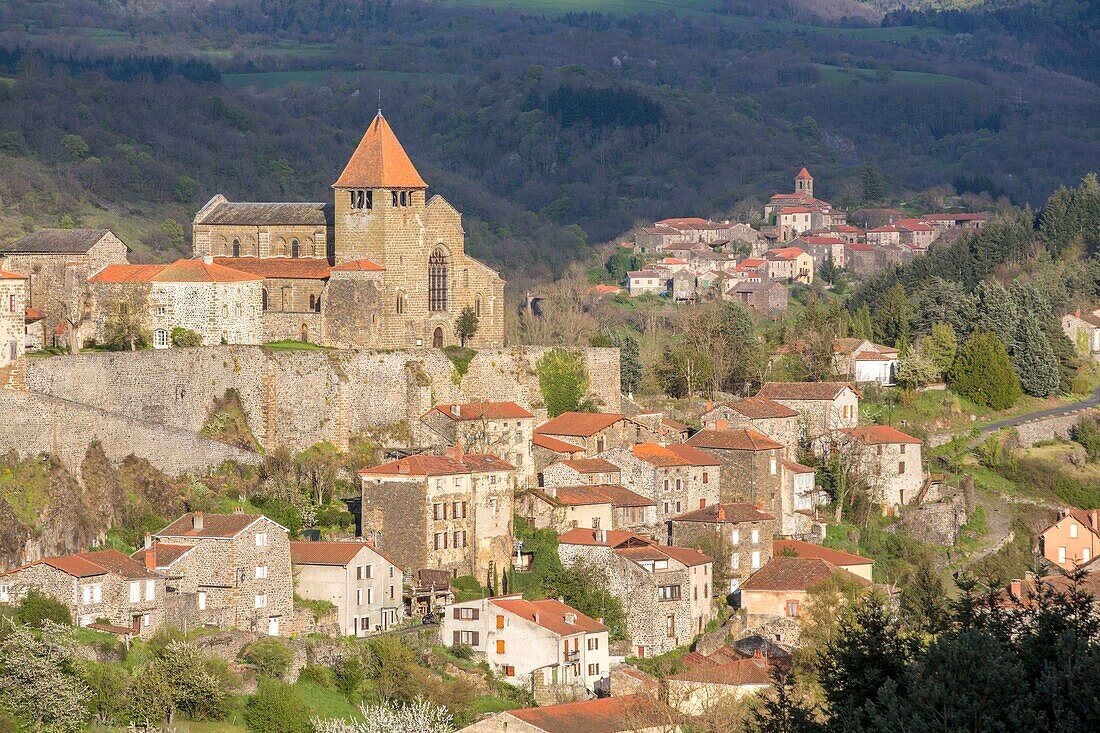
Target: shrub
185, 337
983, 373
37, 608
319, 675
461, 651
269, 657
1087, 433
277, 708
563, 381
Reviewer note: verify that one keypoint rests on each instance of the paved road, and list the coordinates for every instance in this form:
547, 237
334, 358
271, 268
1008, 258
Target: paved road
1092, 401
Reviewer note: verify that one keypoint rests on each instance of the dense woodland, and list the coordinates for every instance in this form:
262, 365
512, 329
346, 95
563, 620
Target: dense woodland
551, 134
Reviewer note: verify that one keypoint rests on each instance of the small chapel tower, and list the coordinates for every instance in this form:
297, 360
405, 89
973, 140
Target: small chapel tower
380, 186
804, 183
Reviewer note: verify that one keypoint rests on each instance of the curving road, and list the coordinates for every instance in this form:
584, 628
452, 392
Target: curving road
1093, 401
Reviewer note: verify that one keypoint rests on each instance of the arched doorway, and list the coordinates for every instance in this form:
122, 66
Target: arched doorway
437, 338
304, 334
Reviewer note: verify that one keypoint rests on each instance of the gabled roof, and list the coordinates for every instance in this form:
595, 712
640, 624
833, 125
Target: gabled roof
684, 555
556, 445
725, 514
126, 274
200, 271
380, 161
92, 564
602, 538
5, 275
613, 494
289, 268
759, 408
1090, 518
787, 253
166, 553
56, 241
804, 390
880, 435
663, 456
266, 213
579, 424
754, 671
330, 553
601, 715
733, 439
550, 615
807, 549
461, 412
591, 465
449, 465
684, 222
794, 574
217, 526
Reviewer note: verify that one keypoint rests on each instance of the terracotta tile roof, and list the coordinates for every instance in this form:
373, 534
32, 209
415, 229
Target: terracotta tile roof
429, 465
795, 210
31, 315
331, 553
218, 526
725, 514
199, 271
74, 565
758, 408
126, 274
556, 445
5, 275
684, 555
787, 253
616, 496
754, 671
661, 456
90, 564
859, 247
601, 715
804, 175
804, 390
880, 435
580, 424
873, 356
258, 213
796, 467
829, 555
380, 161
883, 229
290, 268
358, 266
1059, 583
847, 345
550, 614
659, 230
591, 465
166, 553
794, 573
676, 425
685, 222
56, 241
601, 538
738, 439
460, 412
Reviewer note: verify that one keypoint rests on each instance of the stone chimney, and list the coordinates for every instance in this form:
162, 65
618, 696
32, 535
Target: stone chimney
571, 618
601, 535
151, 557
196, 521
456, 410
238, 510
538, 616
1015, 589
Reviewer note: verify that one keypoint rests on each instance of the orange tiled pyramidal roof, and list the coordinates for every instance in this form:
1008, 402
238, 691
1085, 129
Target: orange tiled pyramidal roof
380, 161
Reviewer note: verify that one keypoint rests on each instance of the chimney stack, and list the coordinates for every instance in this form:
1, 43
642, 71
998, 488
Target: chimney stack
196, 521
238, 510
721, 513
456, 410
148, 540
1015, 589
207, 260
537, 617
151, 558
601, 535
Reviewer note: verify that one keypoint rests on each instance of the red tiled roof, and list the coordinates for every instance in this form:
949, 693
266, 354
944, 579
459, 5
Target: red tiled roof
685, 555
166, 553
804, 390
859, 247
886, 228
380, 161
795, 210
220, 526
76, 566
126, 274
829, 555
556, 445
591, 537
725, 514
659, 455
617, 496
880, 435
429, 465
330, 553
358, 266
753, 671
794, 573
460, 412
758, 408
287, 268
550, 614
5, 275
199, 271
601, 715
591, 465
787, 253
118, 563
738, 439
804, 175
796, 467
582, 424
30, 314
873, 356
672, 261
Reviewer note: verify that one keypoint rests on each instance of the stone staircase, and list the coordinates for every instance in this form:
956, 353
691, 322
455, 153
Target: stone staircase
13, 376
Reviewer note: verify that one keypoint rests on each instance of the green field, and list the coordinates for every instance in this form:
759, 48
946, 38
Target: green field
841, 75
266, 80
611, 7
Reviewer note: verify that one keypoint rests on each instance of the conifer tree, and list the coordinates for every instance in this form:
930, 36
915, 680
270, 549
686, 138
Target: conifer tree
874, 187
983, 373
894, 317
1034, 360
939, 346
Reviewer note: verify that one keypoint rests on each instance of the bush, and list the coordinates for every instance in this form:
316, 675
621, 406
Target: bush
461, 651
319, 675
1087, 433
185, 337
277, 708
983, 373
563, 381
269, 657
38, 607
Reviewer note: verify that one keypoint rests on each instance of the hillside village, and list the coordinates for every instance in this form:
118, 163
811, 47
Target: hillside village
583, 556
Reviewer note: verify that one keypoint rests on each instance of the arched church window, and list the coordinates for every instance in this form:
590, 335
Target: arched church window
264, 298
312, 301
477, 306
236, 248
294, 248
437, 281
400, 303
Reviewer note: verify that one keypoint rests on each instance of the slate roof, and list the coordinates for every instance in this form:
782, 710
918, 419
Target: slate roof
794, 573
579, 424
274, 213
549, 614
732, 513
829, 555
380, 161
429, 465
738, 439
56, 241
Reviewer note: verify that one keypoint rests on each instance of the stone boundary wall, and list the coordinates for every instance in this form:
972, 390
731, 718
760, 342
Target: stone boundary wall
1032, 431
298, 398
39, 423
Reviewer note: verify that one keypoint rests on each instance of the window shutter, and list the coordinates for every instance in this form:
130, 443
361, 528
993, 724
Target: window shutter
477, 614
455, 611
477, 638
456, 641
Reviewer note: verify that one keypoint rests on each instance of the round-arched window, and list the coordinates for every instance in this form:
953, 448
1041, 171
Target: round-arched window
294, 248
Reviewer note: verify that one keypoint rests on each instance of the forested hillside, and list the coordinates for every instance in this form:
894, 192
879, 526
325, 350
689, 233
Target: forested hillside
549, 132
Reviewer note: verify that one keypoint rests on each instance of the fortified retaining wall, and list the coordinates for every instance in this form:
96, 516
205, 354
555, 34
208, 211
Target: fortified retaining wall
42, 424
298, 398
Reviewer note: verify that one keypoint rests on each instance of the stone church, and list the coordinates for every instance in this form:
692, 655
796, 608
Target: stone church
381, 266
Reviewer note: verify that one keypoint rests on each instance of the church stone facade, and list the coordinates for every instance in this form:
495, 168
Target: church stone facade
383, 266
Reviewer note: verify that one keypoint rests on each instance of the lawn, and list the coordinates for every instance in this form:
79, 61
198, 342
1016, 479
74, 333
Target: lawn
841, 75
292, 345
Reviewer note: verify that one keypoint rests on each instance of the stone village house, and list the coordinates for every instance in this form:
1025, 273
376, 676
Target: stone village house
752, 469
778, 422
781, 588
855, 564
581, 471
362, 583
824, 407
103, 588
677, 477
748, 531
546, 646
886, 460
596, 506
503, 429
666, 591
451, 512
235, 568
